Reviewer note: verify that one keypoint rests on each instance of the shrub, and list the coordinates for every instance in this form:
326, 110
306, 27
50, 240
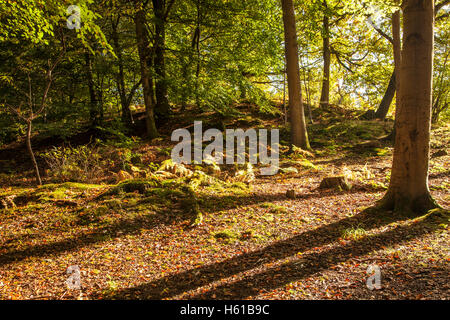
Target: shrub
81, 164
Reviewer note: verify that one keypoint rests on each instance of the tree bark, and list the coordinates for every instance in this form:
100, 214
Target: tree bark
196, 45
408, 190
94, 104
147, 82
385, 104
30, 151
325, 96
162, 102
397, 46
127, 117
299, 135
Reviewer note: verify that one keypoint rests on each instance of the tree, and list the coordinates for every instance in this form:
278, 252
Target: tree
394, 82
161, 11
386, 102
94, 103
325, 96
299, 135
147, 81
125, 99
32, 113
34, 37
408, 189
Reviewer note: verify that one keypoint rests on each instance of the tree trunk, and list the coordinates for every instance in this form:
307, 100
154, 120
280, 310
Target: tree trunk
397, 46
147, 83
162, 103
299, 135
196, 45
127, 118
396, 30
30, 151
325, 96
186, 82
385, 104
408, 190
94, 105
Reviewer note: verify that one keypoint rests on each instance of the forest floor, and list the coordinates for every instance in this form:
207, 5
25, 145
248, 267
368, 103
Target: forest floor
139, 239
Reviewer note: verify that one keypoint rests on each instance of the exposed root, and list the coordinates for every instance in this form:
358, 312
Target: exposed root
404, 205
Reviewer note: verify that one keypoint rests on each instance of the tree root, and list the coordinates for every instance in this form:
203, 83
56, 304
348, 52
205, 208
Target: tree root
406, 206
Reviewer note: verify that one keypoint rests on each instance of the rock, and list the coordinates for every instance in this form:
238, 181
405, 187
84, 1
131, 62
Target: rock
7, 202
123, 175
289, 170
135, 170
440, 153
290, 194
338, 182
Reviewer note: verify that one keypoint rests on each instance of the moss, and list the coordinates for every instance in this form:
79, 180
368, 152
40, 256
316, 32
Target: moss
274, 208
134, 185
70, 186
165, 193
61, 191
92, 215
348, 132
226, 235
114, 204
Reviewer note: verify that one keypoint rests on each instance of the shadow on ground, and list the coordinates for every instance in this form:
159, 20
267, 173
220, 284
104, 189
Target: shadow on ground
175, 284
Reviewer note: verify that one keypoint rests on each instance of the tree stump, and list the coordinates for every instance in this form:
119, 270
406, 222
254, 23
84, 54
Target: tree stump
339, 182
291, 194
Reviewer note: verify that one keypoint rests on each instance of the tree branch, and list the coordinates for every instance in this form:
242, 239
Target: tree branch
381, 32
439, 6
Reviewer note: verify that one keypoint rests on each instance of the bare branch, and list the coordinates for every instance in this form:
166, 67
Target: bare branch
16, 111
381, 32
439, 6
50, 77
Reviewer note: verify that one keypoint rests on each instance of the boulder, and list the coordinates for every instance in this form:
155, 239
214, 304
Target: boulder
123, 175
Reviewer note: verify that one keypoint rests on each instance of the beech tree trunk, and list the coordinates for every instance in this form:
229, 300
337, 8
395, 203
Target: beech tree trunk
147, 82
162, 102
325, 96
408, 190
299, 135
385, 104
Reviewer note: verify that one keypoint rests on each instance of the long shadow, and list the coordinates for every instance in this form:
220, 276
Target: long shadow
195, 278
311, 264
101, 234
125, 227
215, 203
